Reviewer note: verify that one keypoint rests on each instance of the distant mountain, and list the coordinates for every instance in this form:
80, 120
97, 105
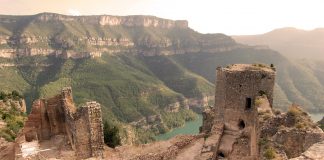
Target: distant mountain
290, 42
145, 71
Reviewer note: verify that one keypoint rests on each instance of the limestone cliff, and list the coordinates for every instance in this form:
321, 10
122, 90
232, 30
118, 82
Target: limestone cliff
90, 36
130, 21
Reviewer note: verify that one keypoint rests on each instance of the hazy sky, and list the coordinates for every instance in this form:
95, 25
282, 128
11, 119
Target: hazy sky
206, 16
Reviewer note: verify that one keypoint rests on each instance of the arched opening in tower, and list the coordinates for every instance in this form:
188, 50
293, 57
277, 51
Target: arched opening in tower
248, 103
221, 155
241, 124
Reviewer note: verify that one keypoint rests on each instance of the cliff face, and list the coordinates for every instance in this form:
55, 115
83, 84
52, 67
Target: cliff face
142, 21
129, 21
55, 34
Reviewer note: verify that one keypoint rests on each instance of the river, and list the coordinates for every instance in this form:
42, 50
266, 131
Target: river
192, 127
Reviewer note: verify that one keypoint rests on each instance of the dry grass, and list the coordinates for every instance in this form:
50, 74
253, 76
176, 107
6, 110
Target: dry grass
270, 153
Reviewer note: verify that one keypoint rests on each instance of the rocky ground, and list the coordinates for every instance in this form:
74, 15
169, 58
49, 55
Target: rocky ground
315, 152
287, 135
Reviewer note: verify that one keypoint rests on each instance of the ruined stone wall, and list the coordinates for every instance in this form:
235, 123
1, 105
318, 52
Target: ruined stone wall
59, 116
82, 134
96, 129
86, 132
55, 112
83, 126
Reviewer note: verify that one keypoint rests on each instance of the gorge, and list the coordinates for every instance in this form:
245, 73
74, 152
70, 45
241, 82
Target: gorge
145, 71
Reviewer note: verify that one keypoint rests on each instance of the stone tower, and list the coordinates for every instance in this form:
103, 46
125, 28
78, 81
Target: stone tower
234, 118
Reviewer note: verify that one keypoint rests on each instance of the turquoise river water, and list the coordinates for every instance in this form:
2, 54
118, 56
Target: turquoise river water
192, 127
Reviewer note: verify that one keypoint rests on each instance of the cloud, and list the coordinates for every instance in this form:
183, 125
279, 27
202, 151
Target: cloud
74, 12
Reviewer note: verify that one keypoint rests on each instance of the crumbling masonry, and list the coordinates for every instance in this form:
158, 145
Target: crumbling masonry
233, 122
58, 116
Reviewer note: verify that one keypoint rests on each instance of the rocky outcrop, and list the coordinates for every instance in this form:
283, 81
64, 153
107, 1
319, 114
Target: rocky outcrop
198, 104
105, 41
173, 107
4, 39
19, 105
8, 53
149, 122
292, 132
315, 152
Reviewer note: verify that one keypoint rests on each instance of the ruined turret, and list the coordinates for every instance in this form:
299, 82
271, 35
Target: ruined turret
234, 118
54, 117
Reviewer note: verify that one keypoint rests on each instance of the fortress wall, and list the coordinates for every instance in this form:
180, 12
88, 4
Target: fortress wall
59, 116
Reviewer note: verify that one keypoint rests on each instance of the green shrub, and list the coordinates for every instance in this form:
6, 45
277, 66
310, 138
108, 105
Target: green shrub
260, 65
294, 111
258, 101
263, 142
322, 126
270, 153
111, 135
300, 125
144, 136
178, 119
4, 133
14, 120
16, 95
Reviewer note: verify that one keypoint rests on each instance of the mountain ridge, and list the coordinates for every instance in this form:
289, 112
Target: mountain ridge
291, 42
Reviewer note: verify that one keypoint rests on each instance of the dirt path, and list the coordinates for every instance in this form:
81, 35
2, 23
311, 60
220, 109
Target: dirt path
191, 151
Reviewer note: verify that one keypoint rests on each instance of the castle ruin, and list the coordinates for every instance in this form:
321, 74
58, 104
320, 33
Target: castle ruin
58, 115
233, 122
